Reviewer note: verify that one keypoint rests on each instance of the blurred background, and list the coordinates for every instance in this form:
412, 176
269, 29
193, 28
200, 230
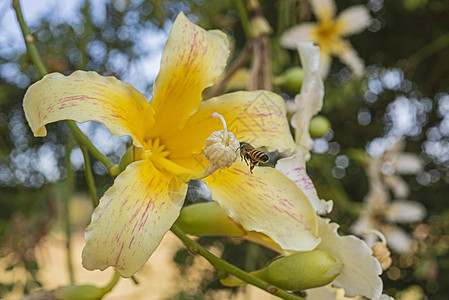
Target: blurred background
392, 123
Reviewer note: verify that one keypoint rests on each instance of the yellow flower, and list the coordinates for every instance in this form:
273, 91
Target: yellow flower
329, 34
171, 132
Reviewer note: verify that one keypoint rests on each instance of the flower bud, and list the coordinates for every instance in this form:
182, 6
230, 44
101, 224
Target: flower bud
319, 126
381, 252
290, 79
300, 271
79, 292
207, 219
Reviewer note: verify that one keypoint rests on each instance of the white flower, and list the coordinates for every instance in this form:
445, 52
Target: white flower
380, 213
329, 33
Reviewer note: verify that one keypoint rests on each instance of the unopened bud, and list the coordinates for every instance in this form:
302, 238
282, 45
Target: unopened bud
79, 292
382, 254
319, 126
291, 79
207, 219
300, 271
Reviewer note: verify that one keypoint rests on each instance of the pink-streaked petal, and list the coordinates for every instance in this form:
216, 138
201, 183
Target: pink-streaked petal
360, 272
132, 217
324, 10
192, 59
257, 117
353, 20
87, 96
294, 167
403, 211
266, 202
300, 33
310, 100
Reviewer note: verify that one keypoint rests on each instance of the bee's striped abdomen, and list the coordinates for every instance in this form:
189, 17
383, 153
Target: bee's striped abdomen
259, 156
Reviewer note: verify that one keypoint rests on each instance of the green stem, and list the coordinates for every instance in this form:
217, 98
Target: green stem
89, 176
29, 40
37, 61
243, 14
82, 139
68, 190
111, 284
225, 267
428, 50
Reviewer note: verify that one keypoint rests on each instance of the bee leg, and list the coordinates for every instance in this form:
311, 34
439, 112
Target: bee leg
253, 164
246, 161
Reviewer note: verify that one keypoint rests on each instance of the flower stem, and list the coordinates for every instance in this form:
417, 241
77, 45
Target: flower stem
225, 267
29, 40
66, 198
428, 50
82, 139
37, 61
111, 284
89, 176
243, 14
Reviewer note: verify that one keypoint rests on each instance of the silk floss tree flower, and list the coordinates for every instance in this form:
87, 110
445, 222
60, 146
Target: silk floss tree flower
169, 134
329, 33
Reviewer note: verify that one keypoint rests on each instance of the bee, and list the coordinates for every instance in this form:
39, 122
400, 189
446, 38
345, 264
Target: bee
254, 156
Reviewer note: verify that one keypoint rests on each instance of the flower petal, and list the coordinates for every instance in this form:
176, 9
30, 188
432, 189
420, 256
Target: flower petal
322, 293
324, 10
360, 272
407, 163
353, 20
294, 167
87, 96
397, 239
326, 61
267, 202
192, 59
397, 185
300, 33
349, 56
310, 100
255, 117
132, 217
403, 211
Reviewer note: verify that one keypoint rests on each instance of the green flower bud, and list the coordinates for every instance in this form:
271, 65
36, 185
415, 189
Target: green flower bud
300, 271
319, 126
207, 219
290, 79
79, 292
